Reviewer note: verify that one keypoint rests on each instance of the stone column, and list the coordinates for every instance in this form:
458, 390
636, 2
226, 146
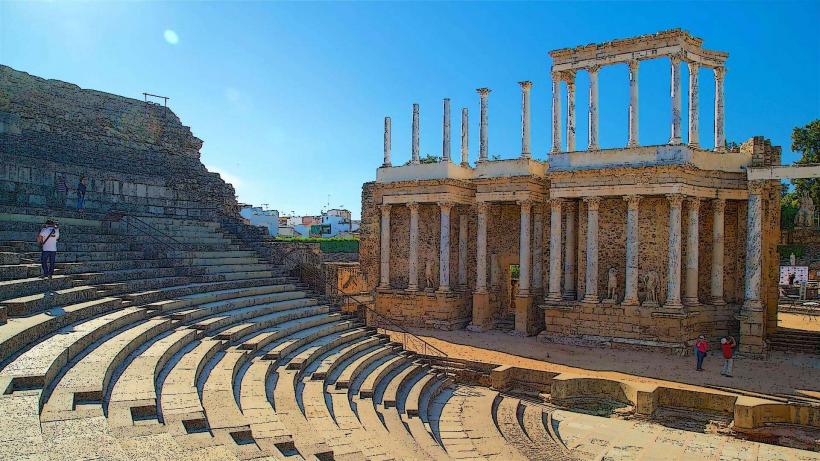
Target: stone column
632, 251
481, 248
673, 272
462, 250
413, 253
526, 86
444, 248
718, 209
720, 134
754, 240
591, 288
445, 143
593, 108
524, 249
387, 162
554, 294
694, 123
482, 132
537, 248
633, 104
465, 139
674, 92
690, 296
570, 253
415, 147
556, 113
385, 248
570, 79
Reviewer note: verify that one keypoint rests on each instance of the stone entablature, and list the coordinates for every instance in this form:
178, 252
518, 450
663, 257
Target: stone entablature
644, 156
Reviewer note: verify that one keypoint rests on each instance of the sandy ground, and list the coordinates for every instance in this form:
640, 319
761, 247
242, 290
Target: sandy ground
799, 321
779, 374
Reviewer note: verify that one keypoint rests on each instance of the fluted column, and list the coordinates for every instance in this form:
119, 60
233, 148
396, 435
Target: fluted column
570, 79
445, 143
633, 103
465, 138
720, 134
444, 248
593, 108
415, 146
673, 258
384, 252
754, 240
570, 252
554, 294
591, 279
524, 249
526, 86
537, 248
674, 92
556, 113
718, 210
413, 253
387, 124
481, 248
632, 250
694, 116
482, 132
462, 250
690, 296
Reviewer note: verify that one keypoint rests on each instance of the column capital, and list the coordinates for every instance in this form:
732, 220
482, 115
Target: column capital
693, 68
413, 206
481, 207
483, 91
633, 65
593, 69
592, 202
569, 77
526, 85
632, 201
445, 206
557, 77
719, 204
675, 200
757, 187
555, 203
385, 207
676, 58
526, 204
720, 72
693, 202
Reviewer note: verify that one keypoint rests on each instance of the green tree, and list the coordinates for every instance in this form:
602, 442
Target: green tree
806, 140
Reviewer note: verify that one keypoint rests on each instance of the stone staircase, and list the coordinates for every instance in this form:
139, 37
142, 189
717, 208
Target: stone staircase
788, 340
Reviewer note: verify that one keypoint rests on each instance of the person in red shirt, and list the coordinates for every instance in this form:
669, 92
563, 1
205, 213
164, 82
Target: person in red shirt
701, 348
727, 345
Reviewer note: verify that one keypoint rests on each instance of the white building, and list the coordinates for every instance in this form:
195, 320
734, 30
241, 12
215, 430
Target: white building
259, 217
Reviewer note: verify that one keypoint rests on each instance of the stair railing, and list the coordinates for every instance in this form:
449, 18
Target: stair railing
166, 241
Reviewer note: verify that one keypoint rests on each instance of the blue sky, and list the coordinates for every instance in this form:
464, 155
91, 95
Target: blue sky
290, 97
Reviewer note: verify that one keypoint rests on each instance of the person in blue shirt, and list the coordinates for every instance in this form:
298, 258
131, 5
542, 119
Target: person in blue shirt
81, 193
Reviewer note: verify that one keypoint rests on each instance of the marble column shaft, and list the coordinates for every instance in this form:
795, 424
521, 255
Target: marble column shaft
445, 143
694, 116
570, 79
526, 86
673, 274
387, 124
481, 248
537, 248
633, 104
692, 252
556, 113
465, 138
384, 252
591, 278
674, 92
570, 252
462, 250
524, 249
593, 109
554, 294
754, 240
415, 146
413, 252
632, 250
482, 132
718, 210
720, 134
444, 248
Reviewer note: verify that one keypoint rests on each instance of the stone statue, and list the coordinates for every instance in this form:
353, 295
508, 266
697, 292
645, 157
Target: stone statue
494, 270
428, 276
612, 285
805, 214
651, 282
792, 260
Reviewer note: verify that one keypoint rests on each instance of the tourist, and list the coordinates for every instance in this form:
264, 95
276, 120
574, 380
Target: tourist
81, 193
62, 190
727, 345
47, 239
701, 348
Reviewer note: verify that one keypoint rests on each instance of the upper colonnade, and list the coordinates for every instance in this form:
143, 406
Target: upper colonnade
677, 45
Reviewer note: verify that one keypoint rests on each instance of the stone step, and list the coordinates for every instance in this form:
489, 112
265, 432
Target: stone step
352, 370
16, 288
392, 392
331, 362
253, 293
31, 246
28, 305
149, 296
372, 380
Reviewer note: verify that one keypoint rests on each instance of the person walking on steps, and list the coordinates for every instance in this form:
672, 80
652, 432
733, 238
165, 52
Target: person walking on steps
701, 348
727, 346
81, 187
47, 239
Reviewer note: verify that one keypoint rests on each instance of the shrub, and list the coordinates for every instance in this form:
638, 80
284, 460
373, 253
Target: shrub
328, 245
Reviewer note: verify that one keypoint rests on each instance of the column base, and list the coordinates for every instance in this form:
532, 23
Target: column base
590, 298
553, 298
675, 141
673, 304
443, 290
717, 301
691, 301
694, 145
570, 295
630, 302
753, 305
412, 288
526, 155
523, 293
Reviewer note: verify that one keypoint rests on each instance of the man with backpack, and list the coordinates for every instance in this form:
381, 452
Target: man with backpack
47, 239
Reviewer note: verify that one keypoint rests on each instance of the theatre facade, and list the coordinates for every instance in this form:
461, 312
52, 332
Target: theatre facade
635, 246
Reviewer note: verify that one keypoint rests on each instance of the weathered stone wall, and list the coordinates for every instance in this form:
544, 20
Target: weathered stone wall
137, 156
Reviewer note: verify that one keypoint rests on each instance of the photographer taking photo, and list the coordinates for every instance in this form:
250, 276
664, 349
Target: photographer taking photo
47, 239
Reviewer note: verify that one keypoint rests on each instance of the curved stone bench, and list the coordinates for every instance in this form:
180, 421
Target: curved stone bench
179, 398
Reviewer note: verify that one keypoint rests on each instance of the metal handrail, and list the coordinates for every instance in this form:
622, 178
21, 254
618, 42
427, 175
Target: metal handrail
117, 215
